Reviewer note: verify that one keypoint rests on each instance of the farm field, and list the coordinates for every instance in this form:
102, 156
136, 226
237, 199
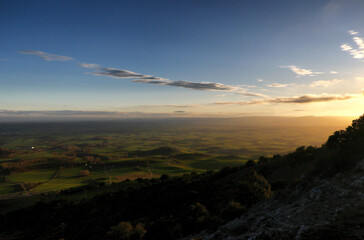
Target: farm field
44, 157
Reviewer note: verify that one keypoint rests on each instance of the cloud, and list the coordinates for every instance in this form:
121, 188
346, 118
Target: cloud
117, 73
187, 84
277, 85
308, 98
60, 112
252, 94
182, 106
333, 72
171, 106
8, 115
325, 83
246, 86
90, 65
179, 111
352, 32
359, 41
301, 71
47, 56
358, 51
207, 86
260, 80
148, 79
346, 47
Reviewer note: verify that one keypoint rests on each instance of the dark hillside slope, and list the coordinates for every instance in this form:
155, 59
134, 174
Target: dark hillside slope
166, 208
315, 209
319, 194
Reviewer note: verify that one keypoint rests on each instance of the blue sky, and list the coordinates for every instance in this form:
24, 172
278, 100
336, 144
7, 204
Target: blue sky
183, 58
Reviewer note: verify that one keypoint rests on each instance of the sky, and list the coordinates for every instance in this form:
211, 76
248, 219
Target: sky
181, 58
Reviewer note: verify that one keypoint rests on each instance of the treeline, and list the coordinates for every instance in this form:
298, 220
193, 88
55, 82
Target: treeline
342, 151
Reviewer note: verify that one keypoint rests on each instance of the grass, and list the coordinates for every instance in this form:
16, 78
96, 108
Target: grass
30, 176
58, 184
70, 172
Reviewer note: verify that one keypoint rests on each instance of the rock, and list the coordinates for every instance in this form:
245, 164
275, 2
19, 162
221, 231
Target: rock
329, 209
360, 165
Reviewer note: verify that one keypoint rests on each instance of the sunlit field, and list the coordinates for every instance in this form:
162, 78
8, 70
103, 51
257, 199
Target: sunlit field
46, 157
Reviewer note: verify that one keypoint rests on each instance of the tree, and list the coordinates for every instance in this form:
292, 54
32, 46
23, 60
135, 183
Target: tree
125, 231
250, 163
164, 177
139, 232
263, 160
122, 231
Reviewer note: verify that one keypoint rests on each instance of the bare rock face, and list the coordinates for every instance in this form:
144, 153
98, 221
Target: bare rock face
314, 209
360, 166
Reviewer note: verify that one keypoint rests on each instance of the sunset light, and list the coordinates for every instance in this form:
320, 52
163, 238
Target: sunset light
220, 60
182, 119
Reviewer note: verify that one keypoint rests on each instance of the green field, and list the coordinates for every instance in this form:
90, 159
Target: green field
45, 157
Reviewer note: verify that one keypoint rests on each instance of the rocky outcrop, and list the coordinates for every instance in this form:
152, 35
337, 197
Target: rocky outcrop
313, 209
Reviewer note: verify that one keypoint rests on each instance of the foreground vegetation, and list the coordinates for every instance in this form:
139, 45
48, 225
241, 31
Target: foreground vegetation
173, 207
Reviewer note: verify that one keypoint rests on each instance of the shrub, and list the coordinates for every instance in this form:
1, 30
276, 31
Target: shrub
250, 163
233, 210
122, 231
126, 231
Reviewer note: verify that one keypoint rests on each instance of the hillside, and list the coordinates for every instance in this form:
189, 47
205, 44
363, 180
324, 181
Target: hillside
311, 193
322, 196
314, 209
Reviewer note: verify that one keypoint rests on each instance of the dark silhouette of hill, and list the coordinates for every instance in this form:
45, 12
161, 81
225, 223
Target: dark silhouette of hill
319, 193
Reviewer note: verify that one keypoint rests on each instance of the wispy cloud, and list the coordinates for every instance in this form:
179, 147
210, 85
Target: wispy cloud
70, 114
353, 32
171, 106
333, 72
276, 85
260, 80
90, 65
246, 86
181, 106
301, 71
191, 85
325, 83
358, 51
209, 86
117, 73
308, 98
47, 56
149, 79
346, 47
